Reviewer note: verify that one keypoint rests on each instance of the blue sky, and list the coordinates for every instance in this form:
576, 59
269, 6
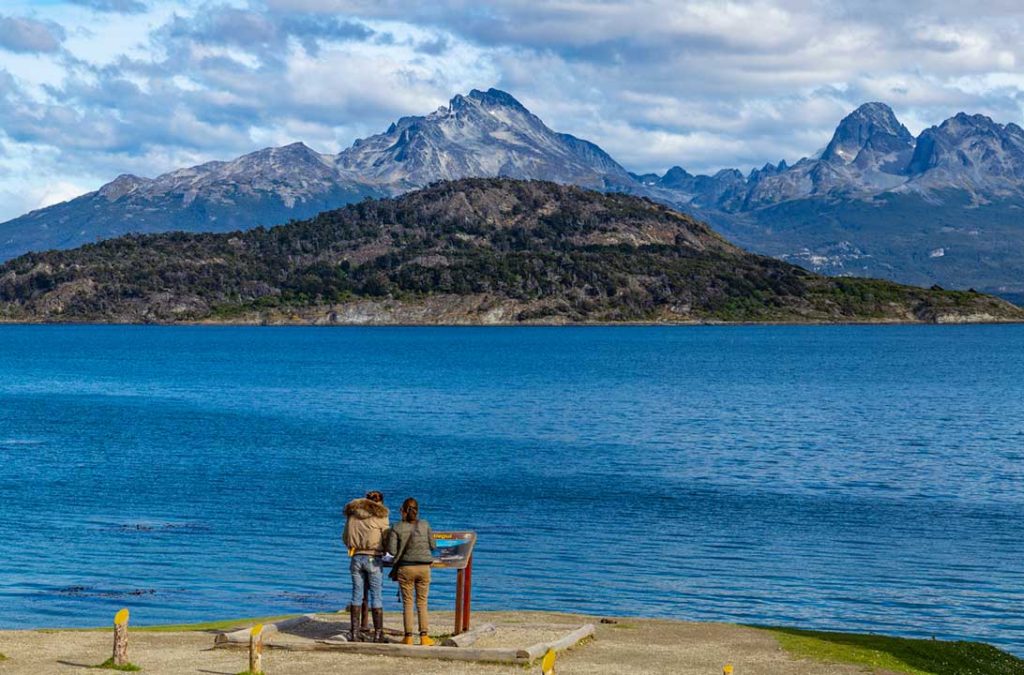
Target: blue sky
90, 89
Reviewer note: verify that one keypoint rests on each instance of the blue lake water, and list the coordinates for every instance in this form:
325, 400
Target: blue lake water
859, 478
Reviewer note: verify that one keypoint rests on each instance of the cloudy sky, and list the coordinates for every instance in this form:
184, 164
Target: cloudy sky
93, 88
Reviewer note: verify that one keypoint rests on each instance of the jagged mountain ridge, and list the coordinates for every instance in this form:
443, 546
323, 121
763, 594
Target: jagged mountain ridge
870, 153
939, 208
480, 135
942, 208
484, 133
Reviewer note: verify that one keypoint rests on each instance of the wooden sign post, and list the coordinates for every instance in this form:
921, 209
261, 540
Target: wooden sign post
120, 657
256, 650
456, 552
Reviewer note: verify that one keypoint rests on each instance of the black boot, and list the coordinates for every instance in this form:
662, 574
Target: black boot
355, 613
378, 625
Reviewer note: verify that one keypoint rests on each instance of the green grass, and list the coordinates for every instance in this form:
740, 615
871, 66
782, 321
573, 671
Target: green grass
212, 625
126, 668
899, 655
224, 624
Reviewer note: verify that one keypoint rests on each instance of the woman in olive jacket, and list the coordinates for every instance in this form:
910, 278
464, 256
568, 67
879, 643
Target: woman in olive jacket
412, 543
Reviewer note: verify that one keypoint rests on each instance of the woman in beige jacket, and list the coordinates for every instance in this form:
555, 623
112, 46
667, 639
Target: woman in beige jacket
366, 521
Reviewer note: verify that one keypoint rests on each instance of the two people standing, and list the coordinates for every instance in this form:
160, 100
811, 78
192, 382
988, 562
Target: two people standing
410, 543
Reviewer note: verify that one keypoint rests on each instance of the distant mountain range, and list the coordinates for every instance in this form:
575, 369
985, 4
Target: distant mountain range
942, 208
476, 250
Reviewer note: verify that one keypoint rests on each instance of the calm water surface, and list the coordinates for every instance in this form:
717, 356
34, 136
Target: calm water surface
860, 478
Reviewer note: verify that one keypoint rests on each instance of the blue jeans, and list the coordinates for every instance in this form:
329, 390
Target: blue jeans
367, 572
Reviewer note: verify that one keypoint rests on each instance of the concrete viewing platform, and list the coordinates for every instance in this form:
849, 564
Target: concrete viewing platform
518, 642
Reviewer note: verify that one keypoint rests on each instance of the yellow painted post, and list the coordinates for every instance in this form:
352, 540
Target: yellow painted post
120, 657
547, 664
256, 649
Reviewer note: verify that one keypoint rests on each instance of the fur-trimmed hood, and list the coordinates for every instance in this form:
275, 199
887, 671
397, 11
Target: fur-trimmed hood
363, 508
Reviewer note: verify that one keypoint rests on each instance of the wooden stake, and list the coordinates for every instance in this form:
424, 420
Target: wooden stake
256, 650
121, 638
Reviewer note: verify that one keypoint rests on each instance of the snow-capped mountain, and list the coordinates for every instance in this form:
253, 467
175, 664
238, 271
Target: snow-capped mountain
266, 187
481, 134
940, 208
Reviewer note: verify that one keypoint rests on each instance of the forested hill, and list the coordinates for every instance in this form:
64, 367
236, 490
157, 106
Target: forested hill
468, 251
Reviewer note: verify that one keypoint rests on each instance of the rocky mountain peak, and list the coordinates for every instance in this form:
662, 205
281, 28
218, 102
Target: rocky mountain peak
871, 136
676, 178
970, 151
482, 133
496, 98
122, 185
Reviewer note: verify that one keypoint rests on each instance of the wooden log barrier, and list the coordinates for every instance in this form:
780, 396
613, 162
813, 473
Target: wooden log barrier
241, 636
470, 636
541, 648
120, 657
256, 650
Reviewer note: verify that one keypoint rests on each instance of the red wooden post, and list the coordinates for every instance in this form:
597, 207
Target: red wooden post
459, 591
467, 594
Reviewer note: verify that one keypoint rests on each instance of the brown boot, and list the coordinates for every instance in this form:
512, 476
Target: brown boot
378, 625
355, 613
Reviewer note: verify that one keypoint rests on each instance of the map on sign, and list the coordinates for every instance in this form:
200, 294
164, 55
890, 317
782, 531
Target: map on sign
453, 549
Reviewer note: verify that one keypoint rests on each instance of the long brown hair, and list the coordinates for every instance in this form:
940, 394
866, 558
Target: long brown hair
410, 510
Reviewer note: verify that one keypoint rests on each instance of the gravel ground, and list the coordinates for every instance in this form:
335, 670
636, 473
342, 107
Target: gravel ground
636, 646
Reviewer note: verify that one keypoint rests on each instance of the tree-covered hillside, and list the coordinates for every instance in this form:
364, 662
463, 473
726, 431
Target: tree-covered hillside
469, 251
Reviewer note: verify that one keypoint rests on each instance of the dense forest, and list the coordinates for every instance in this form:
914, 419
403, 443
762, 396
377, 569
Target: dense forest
469, 251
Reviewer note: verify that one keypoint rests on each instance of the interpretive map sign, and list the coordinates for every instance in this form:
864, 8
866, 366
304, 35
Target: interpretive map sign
453, 549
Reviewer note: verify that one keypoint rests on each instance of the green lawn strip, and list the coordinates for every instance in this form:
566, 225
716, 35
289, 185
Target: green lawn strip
224, 624
900, 655
126, 668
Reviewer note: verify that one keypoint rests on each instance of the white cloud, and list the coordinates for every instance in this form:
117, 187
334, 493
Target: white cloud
99, 87
27, 35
